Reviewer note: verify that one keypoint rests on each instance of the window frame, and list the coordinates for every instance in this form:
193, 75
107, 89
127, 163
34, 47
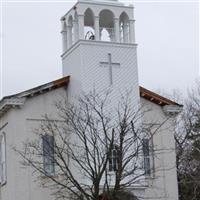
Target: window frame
48, 160
148, 158
113, 160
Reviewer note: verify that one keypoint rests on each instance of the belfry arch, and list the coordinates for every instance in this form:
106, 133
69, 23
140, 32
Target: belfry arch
109, 21
106, 25
124, 28
70, 30
89, 23
75, 28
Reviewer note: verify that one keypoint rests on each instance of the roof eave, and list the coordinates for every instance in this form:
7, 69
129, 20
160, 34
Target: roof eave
19, 99
156, 98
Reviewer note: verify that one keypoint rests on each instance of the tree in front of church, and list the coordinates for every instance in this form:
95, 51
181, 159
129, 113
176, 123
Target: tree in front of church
95, 150
188, 146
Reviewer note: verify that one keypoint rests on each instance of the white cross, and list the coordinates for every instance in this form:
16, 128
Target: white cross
110, 65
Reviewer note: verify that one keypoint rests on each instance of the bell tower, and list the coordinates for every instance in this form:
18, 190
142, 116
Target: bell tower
99, 47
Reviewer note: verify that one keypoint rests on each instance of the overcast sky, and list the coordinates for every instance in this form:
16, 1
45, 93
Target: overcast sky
167, 34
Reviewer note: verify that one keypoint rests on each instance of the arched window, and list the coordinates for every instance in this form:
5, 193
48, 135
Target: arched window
89, 25
106, 24
114, 158
3, 158
70, 30
124, 28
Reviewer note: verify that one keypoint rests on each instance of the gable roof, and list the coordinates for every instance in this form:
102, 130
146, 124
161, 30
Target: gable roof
18, 99
41, 89
156, 98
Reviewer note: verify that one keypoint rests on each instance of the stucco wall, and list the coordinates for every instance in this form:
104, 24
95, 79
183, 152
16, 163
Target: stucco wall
20, 180
163, 183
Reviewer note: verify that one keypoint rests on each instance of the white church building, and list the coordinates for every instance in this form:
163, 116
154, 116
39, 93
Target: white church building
99, 51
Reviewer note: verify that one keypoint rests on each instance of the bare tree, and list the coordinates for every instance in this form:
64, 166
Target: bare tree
187, 136
94, 149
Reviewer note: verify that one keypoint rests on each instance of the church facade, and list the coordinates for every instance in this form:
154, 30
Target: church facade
99, 51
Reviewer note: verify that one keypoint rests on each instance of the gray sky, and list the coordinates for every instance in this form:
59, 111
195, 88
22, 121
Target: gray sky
167, 34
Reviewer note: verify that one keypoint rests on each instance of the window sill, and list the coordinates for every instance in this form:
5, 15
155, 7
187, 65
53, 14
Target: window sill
3, 184
43, 177
149, 177
111, 173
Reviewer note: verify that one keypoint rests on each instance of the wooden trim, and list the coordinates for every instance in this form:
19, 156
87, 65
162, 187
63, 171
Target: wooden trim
156, 98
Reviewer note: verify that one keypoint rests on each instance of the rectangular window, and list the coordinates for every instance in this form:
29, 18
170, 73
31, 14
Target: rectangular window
114, 159
2, 159
146, 153
48, 154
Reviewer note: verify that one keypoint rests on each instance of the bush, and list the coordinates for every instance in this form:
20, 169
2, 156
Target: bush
120, 195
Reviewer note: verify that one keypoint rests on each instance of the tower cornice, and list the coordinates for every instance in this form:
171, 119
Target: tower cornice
90, 2
99, 43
